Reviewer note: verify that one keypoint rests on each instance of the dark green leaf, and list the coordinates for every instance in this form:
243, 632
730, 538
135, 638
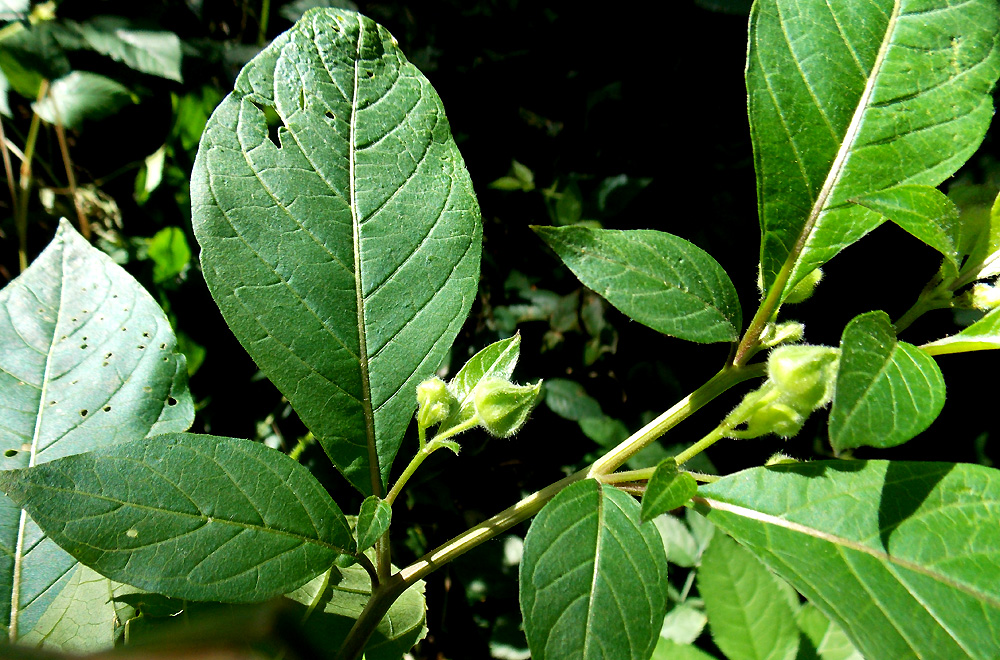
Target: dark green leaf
81, 95
924, 212
658, 279
156, 52
902, 556
849, 99
747, 612
345, 256
982, 335
87, 359
373, 520
593, 582
667, 490
887, 391
189, 516
569, 400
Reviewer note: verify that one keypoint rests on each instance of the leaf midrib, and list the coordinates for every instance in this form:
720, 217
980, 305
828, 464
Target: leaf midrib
375, 473
840, 541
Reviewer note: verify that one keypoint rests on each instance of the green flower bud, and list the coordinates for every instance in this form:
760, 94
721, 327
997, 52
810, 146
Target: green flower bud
804, 289
778, 418
502, 406
434, 402
776, 334
985, 297
804, 375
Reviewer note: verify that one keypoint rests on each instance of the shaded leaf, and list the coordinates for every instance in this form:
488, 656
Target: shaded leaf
669, 650
747, 612
593, 582
81, 619
342, 602
81, 95
188, 516
345, 255
667, 490
982, 335
655, 278
847, 100
887, 391
924, 212
569, 400
373, 520
902, 556
156, 52
826, 637
87, 359
678, 542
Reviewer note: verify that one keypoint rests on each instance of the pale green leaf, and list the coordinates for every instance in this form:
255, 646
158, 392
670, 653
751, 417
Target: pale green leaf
346, 256
678, 542
170, 254
827, 639
156, 52
924, 212
373, 520
342, 602
683, 624
902, 556
495, 361
669, 650
982, 335
188, 516
887, 391
81, 95
849, 99
87, 359
81, 619
748, 615
655, 278
667, 489
593, 581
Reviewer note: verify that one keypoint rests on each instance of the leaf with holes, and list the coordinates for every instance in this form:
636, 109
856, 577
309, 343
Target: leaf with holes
87, 359
887, 391
655, 278
850, 99
188, 516
344, 250
593, 580
902, 556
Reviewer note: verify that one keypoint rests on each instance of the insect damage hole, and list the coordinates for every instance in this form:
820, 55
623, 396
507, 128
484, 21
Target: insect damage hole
273, 121
10, 453
132, 533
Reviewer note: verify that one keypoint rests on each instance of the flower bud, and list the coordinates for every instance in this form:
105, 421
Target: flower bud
434, 402
985, 297
502, 406
804, 289
804, 375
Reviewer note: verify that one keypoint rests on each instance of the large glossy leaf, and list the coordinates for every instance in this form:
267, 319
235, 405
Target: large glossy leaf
655, 278
982, 335
593, 582
747, 612
345, 596
87, 359
887, 391
188, 516
848, 99
902, 556
344, 254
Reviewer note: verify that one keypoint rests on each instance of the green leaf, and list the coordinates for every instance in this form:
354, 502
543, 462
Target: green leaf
670, 650
593, 581
683, 624
495, 361
81, 95
87, 359
902, 556
81, 619
156, 52
678, 542
747, 612
346, 257
569, 400
188, 516
982, 335
655, 278
342, 602
373, 520
828, 640
170, 254
887, 391
850, 100
667, 490
924, 212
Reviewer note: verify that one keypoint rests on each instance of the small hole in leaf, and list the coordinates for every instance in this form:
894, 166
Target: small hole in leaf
166, 359
108, 356
84, 412
147, 388
163, 347
330, 115
115, 295
86, 311
124, 309
10, 452
142, 346
73, 319
124, 329
371, 74
84, 339
52, 403
107, 408
171, 401
75, 382
83, 346
273, 122
145, 335
104, 364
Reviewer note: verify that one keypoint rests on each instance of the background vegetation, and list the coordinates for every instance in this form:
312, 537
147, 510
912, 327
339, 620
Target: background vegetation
563, 115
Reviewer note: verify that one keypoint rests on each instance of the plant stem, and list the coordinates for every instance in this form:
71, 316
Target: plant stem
715, 386
426, 449
265, 15
8, 167
631, 475
716, 434
21, 212
71, 179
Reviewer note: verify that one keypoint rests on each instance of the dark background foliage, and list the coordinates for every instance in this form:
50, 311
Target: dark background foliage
629, 117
